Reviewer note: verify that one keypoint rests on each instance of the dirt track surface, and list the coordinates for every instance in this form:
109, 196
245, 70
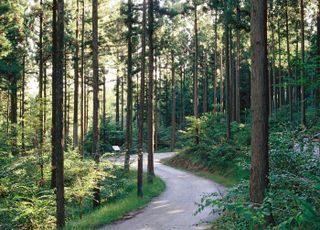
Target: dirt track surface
175, 207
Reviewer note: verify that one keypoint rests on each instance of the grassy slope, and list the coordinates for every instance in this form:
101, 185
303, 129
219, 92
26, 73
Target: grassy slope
116, 210
227, 177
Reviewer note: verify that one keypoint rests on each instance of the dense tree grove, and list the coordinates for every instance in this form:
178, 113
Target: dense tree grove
233, 84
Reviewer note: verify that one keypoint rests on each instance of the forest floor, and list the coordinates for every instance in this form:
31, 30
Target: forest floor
175, 208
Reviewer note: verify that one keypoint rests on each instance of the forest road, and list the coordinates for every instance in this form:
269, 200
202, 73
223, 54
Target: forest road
176, 206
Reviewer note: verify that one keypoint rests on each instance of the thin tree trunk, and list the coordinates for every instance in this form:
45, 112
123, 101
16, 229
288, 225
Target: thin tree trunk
141, 105
318, 53
150, 96
23, 102
41, 79
95, 76
238, 67
129, 89
279, 72
214, 66
173, 105
82, 86
221, 82
227, 70
195, 77
303, 110
76, 82
118, 94
289, 63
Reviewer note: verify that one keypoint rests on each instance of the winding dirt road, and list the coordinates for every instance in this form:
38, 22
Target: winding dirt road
175, 207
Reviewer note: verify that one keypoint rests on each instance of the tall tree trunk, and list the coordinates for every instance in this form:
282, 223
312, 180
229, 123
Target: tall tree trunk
221, 82
231, 91
289, 63
228, 88
118, 94
76, 82
23, 102
259, 103
57, 107
82, 86
40, 127
238, 67
173, 105
55, 98
214, 66
318, 53
129, 89
195, 76
95, 76
205, 87
141, 105
274, 96
181, 97
65, 104
279, 71
122, 103
303, 110
150, 96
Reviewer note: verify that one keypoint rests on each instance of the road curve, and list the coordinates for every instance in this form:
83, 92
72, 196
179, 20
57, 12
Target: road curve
175, 207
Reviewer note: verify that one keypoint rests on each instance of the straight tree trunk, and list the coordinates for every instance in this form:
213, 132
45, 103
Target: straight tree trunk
289, 63
279, 72
273, 59
259, 103
129, 89
95, 68
66, 101
195, 76
228, 88
303, 110
76, 83
173, 105
82, 86
57, 107
141, 105
23, 102
150, 96
55, 98
221, 83
238, 67
118, 94
214, 66
40, 132
318, 53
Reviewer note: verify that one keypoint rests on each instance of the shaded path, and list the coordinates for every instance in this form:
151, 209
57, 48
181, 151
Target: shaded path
175, 207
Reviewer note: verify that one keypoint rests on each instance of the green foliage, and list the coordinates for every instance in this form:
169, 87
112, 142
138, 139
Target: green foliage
213, 151
28, 202
293, 193
110, 135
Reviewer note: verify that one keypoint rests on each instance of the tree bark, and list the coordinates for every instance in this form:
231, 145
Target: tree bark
129, 89
141, 105
289, 63
221, 82
259, 103
57, 107
76, 82
228, 88
95, 68
214, 66
238, 67
303, 110
173, 105
150, 96
82, 86
195, 76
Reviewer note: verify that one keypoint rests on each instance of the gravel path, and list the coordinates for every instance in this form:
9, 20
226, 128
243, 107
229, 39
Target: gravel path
175, 207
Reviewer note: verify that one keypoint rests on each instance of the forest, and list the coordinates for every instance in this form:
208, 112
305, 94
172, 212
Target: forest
159, 114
